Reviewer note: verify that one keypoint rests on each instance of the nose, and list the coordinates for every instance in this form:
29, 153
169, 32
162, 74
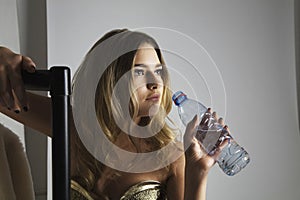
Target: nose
152, 86
152, 82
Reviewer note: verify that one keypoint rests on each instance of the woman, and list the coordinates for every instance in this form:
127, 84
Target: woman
137, 57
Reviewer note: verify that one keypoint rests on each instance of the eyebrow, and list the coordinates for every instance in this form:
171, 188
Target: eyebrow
143, 65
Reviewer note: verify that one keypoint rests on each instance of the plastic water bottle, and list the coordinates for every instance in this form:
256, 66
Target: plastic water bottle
233, 158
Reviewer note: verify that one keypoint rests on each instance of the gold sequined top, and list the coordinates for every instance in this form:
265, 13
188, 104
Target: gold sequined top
147, 190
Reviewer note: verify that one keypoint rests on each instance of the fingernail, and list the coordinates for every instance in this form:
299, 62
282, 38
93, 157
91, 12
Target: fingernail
195, 117
220, 120
17, 111
31, 69
25, 108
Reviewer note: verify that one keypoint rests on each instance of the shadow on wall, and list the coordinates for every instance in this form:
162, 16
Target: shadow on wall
297, 52
32, 24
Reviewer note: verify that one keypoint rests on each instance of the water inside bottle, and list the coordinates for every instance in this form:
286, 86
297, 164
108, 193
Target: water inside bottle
233, 158
211, 136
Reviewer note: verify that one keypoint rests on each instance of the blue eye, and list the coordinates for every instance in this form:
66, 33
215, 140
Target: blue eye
139, 72
159, 72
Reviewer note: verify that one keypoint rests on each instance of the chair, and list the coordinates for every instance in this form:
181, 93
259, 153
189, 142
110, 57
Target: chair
58, 82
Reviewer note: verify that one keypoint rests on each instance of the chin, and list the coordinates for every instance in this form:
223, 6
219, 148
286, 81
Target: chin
149, 110
154, 109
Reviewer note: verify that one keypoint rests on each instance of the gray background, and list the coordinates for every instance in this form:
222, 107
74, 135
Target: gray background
252, 44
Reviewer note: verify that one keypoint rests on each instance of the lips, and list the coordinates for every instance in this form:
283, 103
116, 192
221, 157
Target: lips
153, 97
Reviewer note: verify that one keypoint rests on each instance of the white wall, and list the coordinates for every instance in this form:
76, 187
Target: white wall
251, 43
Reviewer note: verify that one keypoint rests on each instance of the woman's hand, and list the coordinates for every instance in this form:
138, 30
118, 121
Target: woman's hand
195, 154
12, 91
198, 162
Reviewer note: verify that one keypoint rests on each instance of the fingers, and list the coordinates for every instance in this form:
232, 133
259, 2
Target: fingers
206, 118
214, 116
223, 141
28, 64
190, 131
221, 121
18, 88
196, 148
210, 118
219, 149
18, 85
6, 96
12, 90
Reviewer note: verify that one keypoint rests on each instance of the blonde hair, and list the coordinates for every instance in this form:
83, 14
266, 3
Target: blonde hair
87, 169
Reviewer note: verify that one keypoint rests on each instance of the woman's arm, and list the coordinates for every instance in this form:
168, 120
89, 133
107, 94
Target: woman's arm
196, 172
38, 115
189, 174
175, 183
30, 109
195, 184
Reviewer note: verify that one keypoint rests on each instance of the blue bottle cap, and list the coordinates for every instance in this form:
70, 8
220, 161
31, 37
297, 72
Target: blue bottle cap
178, 97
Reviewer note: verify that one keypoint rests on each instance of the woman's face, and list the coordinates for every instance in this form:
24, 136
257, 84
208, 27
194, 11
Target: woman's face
147, 80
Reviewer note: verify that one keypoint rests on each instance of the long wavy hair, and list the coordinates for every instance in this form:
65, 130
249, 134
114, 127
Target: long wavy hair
86, 169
